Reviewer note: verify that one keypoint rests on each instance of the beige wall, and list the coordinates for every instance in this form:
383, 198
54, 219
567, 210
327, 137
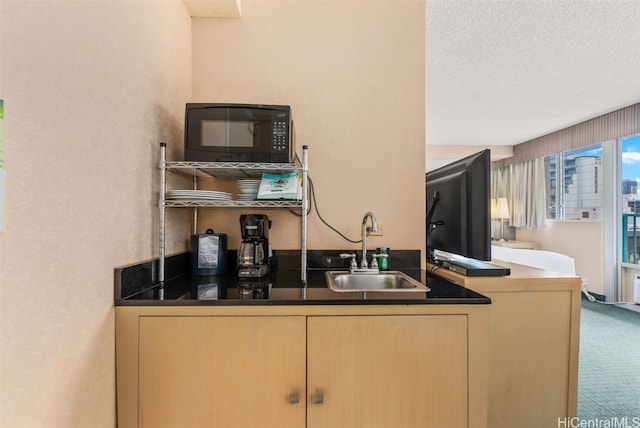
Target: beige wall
582, 240
353, 73
89, 88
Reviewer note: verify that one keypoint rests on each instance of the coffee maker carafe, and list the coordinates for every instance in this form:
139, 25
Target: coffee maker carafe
254, 255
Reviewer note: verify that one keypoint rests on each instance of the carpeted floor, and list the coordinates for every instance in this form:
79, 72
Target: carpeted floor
609, 371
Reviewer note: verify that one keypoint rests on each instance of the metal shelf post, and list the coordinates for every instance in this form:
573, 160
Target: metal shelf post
305, 204
163, 188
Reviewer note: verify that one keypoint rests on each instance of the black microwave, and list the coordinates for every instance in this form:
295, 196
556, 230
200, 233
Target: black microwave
238, 133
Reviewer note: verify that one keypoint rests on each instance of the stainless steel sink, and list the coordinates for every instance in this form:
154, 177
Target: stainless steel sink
386, 281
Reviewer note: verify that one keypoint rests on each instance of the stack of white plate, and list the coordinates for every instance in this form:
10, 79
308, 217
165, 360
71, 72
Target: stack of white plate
248, 189
198, 194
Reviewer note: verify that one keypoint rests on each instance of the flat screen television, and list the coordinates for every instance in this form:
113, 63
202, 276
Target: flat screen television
459, 208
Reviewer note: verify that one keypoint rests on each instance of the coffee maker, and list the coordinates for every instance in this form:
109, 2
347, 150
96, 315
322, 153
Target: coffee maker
254, 257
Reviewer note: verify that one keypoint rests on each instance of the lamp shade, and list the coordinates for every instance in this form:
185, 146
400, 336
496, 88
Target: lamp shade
502, 208
494, 208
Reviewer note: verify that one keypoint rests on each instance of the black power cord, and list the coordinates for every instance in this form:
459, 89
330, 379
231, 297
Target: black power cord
315, 205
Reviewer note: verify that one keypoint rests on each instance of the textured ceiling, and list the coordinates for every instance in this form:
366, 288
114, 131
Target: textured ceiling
504, 72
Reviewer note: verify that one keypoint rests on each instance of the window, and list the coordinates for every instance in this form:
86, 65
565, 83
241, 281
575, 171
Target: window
630, 174
573, 180
630, 204
550, 168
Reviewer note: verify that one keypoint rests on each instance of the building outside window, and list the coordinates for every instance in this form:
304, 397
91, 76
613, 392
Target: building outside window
574, 184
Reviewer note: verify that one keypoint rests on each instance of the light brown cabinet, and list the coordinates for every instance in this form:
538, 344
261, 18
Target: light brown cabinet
388, 371
221, 371
534, 334
333, 367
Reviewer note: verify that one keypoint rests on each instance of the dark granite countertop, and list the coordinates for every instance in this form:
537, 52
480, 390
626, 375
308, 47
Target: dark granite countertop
137, 285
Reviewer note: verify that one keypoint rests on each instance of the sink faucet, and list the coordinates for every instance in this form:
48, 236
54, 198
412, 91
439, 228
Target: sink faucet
365, 232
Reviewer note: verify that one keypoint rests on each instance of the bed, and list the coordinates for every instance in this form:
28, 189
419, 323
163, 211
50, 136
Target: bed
547, 260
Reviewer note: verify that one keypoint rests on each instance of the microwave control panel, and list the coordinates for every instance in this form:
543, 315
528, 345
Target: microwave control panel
280, 133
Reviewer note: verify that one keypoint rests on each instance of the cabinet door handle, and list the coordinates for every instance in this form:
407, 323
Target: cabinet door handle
294, 398
317, 398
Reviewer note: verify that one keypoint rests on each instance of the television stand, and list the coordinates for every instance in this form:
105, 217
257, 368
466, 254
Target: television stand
472, 267
534, 339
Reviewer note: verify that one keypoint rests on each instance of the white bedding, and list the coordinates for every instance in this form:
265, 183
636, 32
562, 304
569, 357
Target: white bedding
547, 260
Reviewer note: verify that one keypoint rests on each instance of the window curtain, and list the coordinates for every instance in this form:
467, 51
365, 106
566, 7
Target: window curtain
527, 195
500, 183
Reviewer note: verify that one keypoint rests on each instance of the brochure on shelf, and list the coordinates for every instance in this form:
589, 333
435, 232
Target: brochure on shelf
281, 186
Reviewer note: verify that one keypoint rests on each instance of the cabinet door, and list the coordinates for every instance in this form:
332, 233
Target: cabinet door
221, 372
531, 359
387, 371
